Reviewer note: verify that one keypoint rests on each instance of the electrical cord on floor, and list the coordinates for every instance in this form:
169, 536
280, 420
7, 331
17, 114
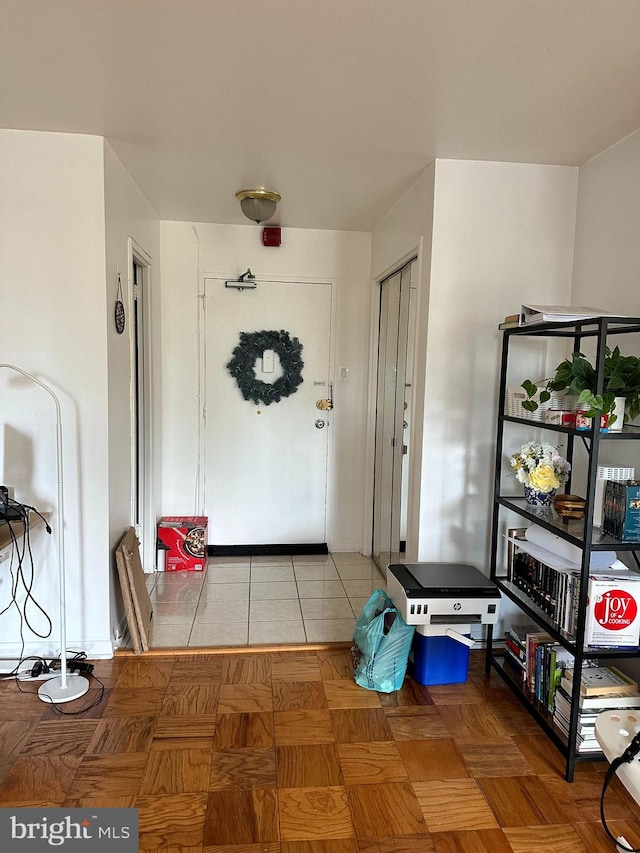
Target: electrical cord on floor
15, 672
628, 755
42, 666
87, 670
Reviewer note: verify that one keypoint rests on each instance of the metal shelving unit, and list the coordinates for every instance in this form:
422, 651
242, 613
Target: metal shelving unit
581, 533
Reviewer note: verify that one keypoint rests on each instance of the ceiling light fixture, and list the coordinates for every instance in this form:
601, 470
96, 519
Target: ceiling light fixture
259, 204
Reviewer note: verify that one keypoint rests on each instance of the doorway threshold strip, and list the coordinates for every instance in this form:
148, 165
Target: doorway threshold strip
270, 648
267, 550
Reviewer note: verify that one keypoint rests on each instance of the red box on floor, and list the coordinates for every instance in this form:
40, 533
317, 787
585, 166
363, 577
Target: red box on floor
185, 538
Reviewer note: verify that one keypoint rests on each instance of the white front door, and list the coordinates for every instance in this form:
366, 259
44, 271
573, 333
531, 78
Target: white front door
266, 465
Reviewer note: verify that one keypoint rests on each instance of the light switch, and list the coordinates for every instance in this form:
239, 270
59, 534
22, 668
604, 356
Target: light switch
268, 361
344, 373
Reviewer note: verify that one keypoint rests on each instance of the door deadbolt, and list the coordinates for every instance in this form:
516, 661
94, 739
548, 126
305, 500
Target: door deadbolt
319, 423
324, 405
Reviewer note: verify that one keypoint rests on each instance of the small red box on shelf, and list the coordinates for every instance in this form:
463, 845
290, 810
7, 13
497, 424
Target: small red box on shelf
185, 542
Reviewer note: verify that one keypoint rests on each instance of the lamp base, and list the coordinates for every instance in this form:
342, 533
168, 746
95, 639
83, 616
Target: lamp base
53, 692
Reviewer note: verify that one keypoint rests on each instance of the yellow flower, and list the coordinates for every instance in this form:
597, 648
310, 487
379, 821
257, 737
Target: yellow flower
543, 478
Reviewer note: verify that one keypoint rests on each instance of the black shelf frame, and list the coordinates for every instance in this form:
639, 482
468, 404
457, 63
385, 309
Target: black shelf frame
579, 532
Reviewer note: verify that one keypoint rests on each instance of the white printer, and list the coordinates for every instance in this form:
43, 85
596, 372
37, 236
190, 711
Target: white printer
443, 599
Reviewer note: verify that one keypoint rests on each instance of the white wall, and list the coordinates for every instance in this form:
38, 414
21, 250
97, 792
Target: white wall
191, 250
607, 260
128, 215
503, 234
52, 324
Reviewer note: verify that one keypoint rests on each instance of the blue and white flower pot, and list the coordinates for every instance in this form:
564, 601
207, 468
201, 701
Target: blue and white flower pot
536, 498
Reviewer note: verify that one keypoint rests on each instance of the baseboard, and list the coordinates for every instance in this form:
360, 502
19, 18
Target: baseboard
267, 550
348, 548
94, 650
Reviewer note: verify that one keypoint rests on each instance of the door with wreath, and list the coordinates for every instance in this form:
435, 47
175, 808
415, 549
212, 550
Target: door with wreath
267, 365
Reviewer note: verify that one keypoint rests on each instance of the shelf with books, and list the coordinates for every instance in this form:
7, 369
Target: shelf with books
540, 713
554, 596
551, 595
532, 610
540, 671
568, 641
603, 688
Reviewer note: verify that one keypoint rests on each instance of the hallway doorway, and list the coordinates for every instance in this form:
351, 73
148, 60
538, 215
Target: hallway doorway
393, 402
142, 511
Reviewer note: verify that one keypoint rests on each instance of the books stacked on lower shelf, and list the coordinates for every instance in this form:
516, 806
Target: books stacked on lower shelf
515, 652
535, 661
602, 688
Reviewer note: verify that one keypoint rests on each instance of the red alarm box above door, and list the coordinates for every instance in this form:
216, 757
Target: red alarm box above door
271, 235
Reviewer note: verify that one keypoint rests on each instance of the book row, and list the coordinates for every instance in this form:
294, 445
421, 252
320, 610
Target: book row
555, 592
612, 618
544, 670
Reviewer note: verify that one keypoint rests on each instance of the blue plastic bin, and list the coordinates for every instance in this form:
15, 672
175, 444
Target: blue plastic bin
438, 660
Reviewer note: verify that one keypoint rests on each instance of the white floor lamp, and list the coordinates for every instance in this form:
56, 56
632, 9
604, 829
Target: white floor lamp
63, 688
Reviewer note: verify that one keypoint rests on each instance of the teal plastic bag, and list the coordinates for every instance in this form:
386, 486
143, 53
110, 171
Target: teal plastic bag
381, 645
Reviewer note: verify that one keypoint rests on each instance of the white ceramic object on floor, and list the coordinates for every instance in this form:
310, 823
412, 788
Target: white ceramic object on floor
614, 732
63, 689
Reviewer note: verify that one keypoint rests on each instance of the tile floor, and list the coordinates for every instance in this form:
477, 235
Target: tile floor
242, 601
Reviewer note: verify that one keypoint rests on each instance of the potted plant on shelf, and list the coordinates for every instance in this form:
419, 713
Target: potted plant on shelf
577, 376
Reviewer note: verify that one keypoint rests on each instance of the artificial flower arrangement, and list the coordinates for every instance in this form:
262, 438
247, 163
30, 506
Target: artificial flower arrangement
539, 466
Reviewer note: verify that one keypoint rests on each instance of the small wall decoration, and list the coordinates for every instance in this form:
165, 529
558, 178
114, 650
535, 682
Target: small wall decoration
119, 315
251, 347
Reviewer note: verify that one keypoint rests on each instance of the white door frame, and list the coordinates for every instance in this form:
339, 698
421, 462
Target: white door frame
147, 533
201, 484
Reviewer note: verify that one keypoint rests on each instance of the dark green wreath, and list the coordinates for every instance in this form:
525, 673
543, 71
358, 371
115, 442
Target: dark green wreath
251, 347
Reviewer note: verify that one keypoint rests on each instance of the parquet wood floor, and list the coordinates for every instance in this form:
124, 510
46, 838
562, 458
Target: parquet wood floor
282, 753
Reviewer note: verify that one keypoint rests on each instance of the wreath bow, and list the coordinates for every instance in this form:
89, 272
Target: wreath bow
251, 347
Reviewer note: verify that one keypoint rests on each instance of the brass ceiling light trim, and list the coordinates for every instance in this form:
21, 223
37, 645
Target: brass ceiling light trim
258, 204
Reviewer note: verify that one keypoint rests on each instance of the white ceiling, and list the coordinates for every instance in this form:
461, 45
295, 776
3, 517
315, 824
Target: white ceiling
336, 104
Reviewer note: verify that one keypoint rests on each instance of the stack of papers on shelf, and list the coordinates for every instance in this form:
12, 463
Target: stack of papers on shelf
602, 688
550, 549
602, 681
531, 314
